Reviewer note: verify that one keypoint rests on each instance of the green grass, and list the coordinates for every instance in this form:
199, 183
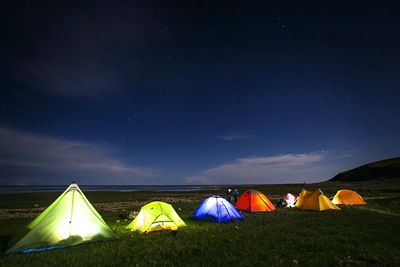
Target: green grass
355, 236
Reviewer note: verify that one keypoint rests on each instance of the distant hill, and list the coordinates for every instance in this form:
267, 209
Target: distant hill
378, 170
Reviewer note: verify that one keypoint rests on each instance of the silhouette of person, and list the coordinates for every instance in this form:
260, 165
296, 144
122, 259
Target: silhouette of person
235, 195
228, 194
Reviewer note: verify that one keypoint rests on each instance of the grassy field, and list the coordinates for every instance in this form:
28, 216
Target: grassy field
356, 236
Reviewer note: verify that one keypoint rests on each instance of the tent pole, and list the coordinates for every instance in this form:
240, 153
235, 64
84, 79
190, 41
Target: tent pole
72, 211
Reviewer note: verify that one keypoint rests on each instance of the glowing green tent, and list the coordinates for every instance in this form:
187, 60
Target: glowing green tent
68, 221
155, 216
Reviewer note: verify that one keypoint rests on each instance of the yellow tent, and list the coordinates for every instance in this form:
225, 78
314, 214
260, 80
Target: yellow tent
309, 200
348, 197
156, 216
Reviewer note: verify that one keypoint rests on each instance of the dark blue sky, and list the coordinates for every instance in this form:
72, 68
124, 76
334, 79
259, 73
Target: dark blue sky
200, 92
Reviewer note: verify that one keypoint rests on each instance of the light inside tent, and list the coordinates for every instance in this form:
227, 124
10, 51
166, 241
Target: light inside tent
217, 209
70, 220
77, 220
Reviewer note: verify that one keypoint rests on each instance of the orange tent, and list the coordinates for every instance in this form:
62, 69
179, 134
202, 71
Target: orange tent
348, 197
309, 200
252, 200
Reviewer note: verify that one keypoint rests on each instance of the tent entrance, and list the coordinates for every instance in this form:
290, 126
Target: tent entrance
162, 222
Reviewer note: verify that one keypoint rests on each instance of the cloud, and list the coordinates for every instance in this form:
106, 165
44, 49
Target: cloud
36, 159
66, 80
235, 137
287, 168
283, 160
347, 153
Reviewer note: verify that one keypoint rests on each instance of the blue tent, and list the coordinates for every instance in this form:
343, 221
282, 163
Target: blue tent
217, 209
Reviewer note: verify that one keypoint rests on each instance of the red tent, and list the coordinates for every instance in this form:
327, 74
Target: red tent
252, 200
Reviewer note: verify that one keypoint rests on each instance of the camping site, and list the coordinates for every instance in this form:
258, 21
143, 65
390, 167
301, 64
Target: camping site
355, 235
199, 133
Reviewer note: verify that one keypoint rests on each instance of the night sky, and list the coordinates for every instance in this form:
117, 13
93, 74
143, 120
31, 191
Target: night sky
197, 92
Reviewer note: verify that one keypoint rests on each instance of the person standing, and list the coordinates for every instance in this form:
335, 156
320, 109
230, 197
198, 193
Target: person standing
235, 195
228, 194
